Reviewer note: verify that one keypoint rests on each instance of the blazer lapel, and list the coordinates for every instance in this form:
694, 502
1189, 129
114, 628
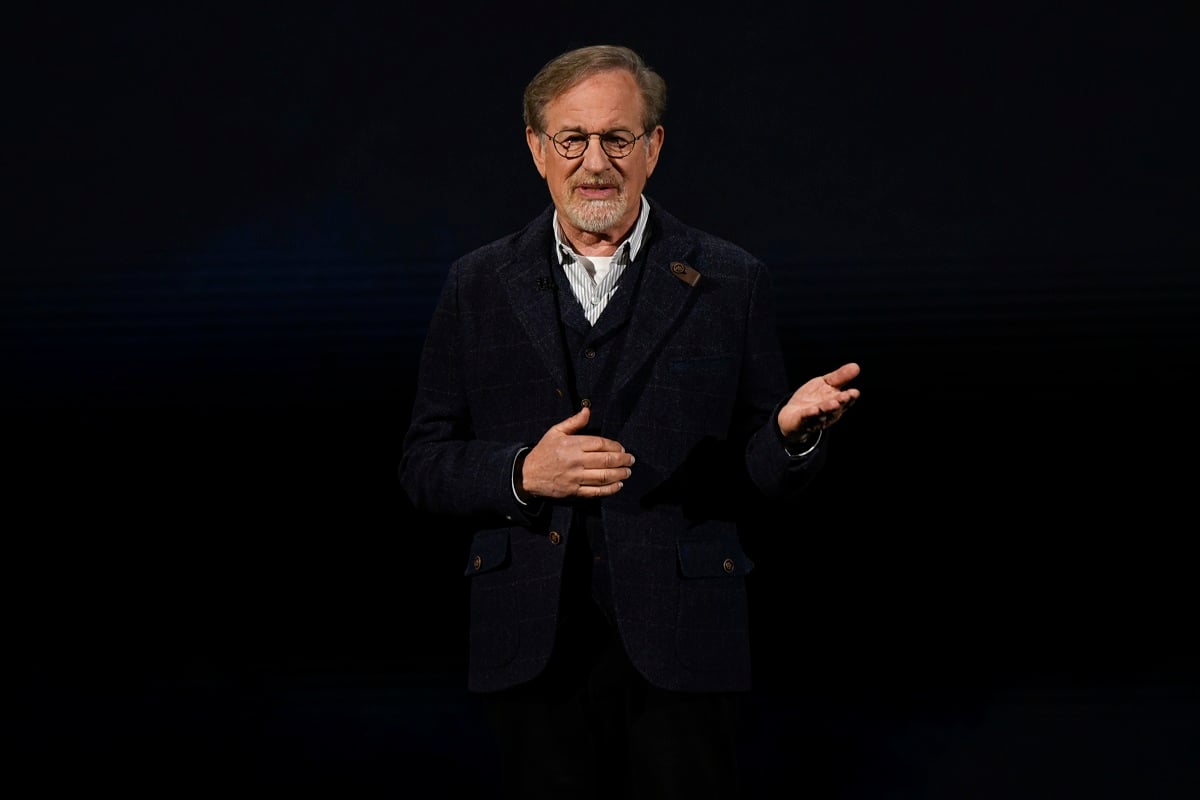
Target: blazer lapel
668, 282
531, 291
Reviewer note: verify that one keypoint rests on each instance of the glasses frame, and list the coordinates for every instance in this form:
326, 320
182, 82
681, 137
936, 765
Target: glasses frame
558, 147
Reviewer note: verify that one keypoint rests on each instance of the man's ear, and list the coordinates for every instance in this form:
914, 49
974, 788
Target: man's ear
537, 148
654, 142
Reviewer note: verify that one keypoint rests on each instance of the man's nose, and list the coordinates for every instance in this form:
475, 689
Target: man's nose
594, 158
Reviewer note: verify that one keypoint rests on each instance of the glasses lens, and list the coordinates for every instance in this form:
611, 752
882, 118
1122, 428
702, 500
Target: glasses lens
570, 143
618, 143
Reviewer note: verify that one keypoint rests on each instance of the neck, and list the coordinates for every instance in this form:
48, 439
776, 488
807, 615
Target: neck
590, 244
595, 243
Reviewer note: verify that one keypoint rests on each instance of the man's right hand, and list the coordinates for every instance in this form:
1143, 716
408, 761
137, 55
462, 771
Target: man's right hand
566, 463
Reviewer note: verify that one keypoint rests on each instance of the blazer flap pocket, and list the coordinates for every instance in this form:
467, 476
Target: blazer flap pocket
489, 550
712, 558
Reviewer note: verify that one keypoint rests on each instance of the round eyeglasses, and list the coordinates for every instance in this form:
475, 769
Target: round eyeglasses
573, 144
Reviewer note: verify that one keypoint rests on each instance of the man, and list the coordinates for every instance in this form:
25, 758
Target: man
602, 398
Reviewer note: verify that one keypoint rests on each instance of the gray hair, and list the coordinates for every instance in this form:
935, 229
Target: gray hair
563, 72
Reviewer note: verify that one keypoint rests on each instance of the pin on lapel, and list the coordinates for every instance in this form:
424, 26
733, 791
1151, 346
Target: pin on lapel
684, 273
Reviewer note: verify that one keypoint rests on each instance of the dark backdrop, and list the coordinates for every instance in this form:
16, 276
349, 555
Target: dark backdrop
227, 225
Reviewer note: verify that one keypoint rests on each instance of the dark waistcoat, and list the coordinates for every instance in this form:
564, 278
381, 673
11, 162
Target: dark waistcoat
593, 352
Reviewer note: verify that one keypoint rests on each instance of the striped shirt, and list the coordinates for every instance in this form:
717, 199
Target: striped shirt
593, 279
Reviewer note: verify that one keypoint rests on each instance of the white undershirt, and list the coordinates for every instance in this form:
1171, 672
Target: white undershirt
597, 266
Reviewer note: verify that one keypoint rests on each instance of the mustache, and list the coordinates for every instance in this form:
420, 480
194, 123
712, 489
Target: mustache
597, 180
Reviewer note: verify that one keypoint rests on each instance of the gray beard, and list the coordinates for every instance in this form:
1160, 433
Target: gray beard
597, 216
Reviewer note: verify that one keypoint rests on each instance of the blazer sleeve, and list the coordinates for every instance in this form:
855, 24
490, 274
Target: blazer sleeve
444, 468
774, 472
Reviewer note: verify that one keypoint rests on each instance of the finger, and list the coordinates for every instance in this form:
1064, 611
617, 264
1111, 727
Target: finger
606, 490
599, 468
621, 459
842, 375
612, 476
594, 479
574, 423
610, 449
611, 459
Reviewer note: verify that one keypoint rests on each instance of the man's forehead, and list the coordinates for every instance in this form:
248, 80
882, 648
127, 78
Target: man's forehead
600, 102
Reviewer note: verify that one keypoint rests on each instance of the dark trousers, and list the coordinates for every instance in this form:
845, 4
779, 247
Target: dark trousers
592, 727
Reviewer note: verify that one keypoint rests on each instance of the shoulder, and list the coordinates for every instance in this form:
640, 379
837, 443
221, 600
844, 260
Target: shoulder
532, 242
675, 239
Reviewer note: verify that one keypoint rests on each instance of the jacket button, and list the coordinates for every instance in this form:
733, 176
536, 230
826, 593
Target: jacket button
477, 562
555, 537
728, 565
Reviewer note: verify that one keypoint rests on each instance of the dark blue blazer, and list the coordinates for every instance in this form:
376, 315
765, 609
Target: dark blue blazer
696, 388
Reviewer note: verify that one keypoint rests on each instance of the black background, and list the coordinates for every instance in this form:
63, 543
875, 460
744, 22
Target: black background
226, 228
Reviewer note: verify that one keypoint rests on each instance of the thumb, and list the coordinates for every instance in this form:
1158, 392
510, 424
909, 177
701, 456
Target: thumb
574, 423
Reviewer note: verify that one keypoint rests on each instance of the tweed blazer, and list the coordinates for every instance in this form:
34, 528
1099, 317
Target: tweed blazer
697, 387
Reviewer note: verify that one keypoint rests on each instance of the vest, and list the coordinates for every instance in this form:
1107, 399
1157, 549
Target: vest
593, 352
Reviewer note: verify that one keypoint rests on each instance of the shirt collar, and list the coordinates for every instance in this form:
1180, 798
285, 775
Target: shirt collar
626, 252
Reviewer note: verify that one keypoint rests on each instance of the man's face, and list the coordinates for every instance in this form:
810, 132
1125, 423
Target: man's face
596, 193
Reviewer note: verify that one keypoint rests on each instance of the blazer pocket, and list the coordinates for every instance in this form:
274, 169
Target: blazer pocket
713, 558
712, 631
493, 631
489, 551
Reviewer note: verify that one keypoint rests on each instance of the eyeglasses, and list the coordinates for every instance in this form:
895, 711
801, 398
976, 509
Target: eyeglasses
616, 144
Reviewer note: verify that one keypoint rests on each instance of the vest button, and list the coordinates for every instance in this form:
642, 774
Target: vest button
586, 403
727, 565
589, 353
555, 537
